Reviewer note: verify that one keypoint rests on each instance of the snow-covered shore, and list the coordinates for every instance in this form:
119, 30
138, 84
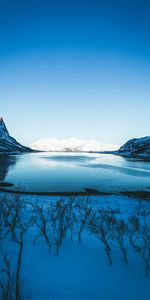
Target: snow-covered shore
81, 270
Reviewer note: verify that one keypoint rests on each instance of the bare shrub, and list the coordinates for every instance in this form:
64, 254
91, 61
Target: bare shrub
102, 225
121, 236
139, 234
42, 220
17, 223
62, 220
83, 214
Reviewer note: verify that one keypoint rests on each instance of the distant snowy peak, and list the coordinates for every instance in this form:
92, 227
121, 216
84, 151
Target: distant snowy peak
8, 143
72, 144
136, 147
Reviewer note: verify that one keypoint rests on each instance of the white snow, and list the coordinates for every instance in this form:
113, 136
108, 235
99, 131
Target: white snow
81, 271
72, 144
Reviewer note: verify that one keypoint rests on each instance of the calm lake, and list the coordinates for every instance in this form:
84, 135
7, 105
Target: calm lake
61, 172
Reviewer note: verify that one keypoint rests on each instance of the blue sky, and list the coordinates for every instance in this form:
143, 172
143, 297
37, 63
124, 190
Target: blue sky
75, 68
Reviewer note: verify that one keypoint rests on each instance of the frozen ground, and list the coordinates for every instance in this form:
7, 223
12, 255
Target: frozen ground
81, 270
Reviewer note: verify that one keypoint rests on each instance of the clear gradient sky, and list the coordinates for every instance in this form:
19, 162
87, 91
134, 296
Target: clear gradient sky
75, 69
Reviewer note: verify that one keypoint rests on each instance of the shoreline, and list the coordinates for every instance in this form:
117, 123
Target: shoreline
125, 155
145, 195
87, 192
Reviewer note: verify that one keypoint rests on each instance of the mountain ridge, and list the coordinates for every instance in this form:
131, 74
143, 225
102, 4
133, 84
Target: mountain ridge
136, 147
8, 143
72, 145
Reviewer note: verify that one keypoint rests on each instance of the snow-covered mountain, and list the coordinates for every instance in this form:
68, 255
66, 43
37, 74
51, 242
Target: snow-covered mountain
72, 144
8, 143
136, 147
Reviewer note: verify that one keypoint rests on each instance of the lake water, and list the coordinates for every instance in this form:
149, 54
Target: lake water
61, 172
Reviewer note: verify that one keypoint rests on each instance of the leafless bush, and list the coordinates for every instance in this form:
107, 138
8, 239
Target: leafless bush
42, 218
121, 236
102, 225
83, 214
134, 229
17, 224
54, 221
62, 220
7, 281
4, 199
141, 209
139, 235
145, 247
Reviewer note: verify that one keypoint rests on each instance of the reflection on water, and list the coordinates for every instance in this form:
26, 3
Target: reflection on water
6, 161
126, 170
74, 172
